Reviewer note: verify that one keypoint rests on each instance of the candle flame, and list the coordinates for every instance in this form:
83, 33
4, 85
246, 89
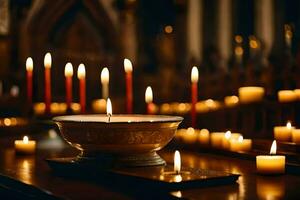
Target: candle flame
81, 71
241, 138
108, 107
105, 76
289, 125
194, 75
177, 162
47, 60
228, 135
273, 148
149, 95
25, 139
29, 64
68, 69
127, 65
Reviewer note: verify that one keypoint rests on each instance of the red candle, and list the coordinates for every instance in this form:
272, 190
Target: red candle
68, 76
149, 100
47, 64
194, 94
29, 69
128, 77
81, 77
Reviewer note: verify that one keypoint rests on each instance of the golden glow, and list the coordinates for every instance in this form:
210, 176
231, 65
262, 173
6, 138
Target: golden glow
47, 60
127, 65
177, 194
273, 148
105, 76
25, 139
240, 139
7, 122
168, 29
194, 75
177, 162
227, 135
253, 44
149, 95
29, 64
238, 39
289, 125
81, 71
108, 107
288, 31
239, 51
68, 70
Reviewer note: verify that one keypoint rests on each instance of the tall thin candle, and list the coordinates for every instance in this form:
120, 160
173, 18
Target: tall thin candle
82, 93
29, 69
68, 76
194, 94
47, 65
128, 77
105, 82
149, 99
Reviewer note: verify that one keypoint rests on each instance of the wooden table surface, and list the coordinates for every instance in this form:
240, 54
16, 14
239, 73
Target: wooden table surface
34, 171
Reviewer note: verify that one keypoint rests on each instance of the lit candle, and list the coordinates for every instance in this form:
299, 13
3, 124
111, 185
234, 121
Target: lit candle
149, 100
240, 144
68, 76
227, 137
82, 93
270, 164
105, 82
203, 137
251, 94
216, 139
47, 65
25, 146
128, 74
283, 133
194, 93
286, 96
231, 101
296, 136
29, 69
190, 136
177, 162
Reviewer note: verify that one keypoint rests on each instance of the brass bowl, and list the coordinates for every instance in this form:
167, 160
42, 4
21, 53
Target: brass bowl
127, 140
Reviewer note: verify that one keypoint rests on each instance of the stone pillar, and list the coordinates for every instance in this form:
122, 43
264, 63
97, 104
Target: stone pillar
224, 24
264, 23
194, 30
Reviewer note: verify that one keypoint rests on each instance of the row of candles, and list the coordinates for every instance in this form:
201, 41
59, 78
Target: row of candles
266, 164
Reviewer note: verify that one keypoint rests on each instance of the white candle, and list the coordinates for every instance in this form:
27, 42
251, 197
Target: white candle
283, 133
203, 136
251, 94
216, 139
296, 136
25, 146
270, 164
240, 144
286, 96
227, 137
190, 136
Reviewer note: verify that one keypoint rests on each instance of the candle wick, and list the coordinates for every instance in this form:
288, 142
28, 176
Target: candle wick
109, 115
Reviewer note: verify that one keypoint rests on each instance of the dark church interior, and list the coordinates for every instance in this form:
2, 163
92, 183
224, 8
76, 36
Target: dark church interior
141, 99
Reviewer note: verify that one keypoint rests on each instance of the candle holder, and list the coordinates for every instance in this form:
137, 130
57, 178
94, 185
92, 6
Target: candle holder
119, 140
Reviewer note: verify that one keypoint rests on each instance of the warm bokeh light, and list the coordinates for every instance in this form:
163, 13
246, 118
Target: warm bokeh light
81, 71
47, 60
105, 76
29, 64
68, 70
228, 134
194, 75
127, 65
241, 138
168, 29
238, 51
289, 125
149, 95
177, 162
25, 139
108, 107
273, 148
238, 39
